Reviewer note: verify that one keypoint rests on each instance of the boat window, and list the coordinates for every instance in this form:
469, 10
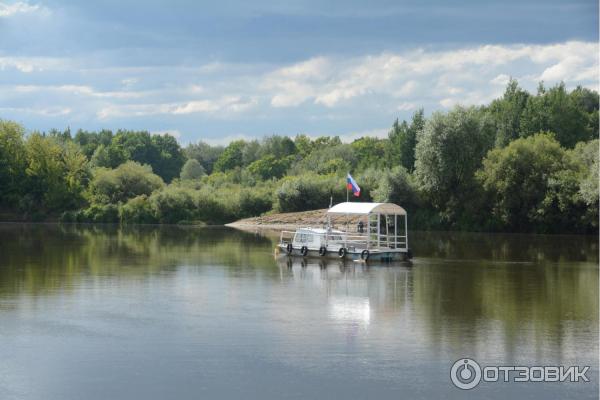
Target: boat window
304, 238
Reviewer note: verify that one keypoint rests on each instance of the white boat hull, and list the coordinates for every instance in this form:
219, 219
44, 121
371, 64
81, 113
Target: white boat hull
356, 255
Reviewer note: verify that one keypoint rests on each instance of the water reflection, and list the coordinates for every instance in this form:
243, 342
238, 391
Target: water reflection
212, 293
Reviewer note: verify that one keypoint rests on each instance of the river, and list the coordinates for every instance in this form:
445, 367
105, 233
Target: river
102, 312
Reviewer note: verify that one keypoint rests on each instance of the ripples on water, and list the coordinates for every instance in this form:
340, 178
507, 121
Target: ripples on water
166, 312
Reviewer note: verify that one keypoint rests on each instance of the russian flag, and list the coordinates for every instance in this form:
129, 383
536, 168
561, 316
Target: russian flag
352, 185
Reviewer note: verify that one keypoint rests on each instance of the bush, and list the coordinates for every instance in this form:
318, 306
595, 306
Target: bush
99, 213
127, 181
309, 192
326, 159
533, 184
397, 186
138, 210
175, 204
250, 202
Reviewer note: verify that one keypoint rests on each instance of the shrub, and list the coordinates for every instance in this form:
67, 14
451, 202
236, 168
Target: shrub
174, 204
99, 213
309, 192
533, 184
138, 210
127, 181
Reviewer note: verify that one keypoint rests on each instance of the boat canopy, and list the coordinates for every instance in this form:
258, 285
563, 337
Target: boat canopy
366, 208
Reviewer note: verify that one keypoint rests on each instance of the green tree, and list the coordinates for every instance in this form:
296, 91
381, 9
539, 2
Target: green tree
449, 151
270, 166
127, 181
170, 157
309, 192
397, 186
161, 152
192, 169
89, 141
403, 141
108, 156
506, 113
251, 151
304, 146
585, 154
533, 184
370, 152
76, 172
554, 110
278, 146
325, 159
232, 157
588, 100
46, 186
13, 159
205, 154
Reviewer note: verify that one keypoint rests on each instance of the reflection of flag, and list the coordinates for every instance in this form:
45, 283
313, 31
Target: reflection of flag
352, 185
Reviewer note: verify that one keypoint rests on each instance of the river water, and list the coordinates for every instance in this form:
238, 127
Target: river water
208, 313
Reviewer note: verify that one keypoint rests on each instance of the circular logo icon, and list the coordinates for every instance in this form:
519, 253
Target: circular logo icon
465, 373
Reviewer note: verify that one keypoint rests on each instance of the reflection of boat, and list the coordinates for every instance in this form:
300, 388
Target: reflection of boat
381, 234
331, 265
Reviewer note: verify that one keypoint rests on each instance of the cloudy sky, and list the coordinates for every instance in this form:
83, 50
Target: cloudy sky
243, 69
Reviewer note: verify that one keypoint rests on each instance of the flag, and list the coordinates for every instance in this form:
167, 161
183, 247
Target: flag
352, 185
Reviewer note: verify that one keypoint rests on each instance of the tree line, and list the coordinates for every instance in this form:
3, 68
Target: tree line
523, 163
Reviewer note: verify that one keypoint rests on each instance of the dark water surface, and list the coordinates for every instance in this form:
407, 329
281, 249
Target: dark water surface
208, 313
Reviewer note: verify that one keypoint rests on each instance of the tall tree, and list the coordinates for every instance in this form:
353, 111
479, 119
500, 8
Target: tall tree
370, 152
232, 157
554, 110
205, 154
12, 162
449, 151
533, 185
506, 113
170, 157
403, 141
47, 187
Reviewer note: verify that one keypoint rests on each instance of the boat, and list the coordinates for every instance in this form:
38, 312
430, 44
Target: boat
379, 232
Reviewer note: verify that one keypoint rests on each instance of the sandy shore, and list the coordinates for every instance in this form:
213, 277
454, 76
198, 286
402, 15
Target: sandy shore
291, 221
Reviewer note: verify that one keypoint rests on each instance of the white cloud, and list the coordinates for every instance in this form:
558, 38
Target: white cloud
46, 112
129, 82
322, 90
224, 104
75, 90
20, 7
456, 76
407, 106
32, 64
501, 79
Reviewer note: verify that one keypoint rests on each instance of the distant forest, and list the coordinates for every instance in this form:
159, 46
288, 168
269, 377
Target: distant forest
523, 163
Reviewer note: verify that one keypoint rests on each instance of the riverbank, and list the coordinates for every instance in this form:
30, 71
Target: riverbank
293, 220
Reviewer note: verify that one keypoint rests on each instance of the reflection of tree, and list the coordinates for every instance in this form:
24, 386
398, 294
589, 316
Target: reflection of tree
504, 247
460, 289
465, 303
41, 258
530, 302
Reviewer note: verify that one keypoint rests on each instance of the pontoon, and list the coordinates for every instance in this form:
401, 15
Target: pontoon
378, 231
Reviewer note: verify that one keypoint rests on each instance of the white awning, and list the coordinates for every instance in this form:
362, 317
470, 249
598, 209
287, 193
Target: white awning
366, 208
